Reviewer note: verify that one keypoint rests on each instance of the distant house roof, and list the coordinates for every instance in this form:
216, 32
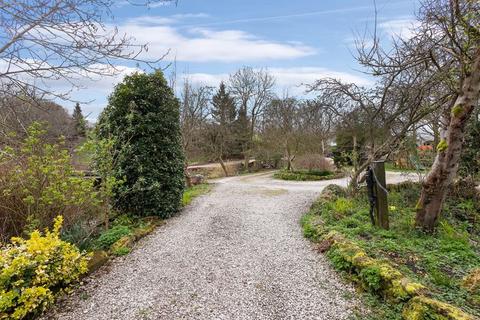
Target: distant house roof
425, 147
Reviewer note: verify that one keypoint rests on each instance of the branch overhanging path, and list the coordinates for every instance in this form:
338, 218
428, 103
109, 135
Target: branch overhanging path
235, 253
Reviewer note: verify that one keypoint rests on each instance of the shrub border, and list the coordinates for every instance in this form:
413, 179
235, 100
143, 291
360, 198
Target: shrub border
333, 176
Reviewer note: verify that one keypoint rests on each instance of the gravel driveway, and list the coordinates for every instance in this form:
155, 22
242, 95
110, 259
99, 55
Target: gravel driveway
235, 253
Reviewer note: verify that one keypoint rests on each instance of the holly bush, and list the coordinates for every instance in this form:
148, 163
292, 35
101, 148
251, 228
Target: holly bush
143, 120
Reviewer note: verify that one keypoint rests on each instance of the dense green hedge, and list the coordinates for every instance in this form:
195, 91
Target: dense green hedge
306, 175
142, 117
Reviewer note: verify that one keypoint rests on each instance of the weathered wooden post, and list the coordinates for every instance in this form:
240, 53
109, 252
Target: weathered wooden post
381, 205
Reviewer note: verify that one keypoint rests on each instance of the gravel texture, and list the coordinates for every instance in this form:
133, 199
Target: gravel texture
235, 253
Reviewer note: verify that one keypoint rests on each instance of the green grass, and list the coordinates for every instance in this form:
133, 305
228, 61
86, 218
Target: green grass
305, 175
391, 167
195, 191
439, 261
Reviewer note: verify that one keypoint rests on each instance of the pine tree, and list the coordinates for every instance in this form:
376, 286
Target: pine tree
79, 121
223, 111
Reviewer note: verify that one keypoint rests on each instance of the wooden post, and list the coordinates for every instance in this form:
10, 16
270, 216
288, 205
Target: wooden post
381, 211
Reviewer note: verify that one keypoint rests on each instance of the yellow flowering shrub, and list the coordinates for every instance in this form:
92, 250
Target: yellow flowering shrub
33, 271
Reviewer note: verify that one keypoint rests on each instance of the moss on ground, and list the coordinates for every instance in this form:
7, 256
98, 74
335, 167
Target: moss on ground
421, 307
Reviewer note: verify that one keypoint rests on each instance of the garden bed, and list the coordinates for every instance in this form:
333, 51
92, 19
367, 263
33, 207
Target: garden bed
23, 296
307, 175
444, 265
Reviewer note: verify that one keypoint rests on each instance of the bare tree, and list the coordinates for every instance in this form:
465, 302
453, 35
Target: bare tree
445, 47
388, 111
282, 126
463, 40
195, 108
50, 40
253, 90
316, 122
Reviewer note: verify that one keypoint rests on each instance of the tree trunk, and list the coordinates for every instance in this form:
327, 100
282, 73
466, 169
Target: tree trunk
353, 184
436, 133
445, 166
355, 154
246, 161
289, 158
224, 167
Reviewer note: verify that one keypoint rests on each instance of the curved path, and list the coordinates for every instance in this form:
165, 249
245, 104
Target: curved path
236, 253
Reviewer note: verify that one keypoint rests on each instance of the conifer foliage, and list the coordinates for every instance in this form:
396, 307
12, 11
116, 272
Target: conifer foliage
79, 121
142, 118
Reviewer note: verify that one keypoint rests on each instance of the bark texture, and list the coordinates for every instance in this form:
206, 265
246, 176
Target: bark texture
445, 166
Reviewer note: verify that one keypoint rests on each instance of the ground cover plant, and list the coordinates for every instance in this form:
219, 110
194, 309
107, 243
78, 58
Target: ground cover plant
306, 175
446, 263
194, 191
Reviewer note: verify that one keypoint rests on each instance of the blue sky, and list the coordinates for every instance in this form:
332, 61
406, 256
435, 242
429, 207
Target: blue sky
298, 41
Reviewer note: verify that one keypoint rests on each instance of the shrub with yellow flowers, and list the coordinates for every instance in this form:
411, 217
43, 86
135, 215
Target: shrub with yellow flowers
33, 271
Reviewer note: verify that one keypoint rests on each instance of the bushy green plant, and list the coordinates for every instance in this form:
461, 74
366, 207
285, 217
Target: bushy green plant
35, 270
38, 181
305, 175
110, 236
371, 277
338, 261
121, 251
103, 157
343, 206
142, 118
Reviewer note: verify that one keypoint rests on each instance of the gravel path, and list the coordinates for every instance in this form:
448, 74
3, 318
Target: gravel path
236, 253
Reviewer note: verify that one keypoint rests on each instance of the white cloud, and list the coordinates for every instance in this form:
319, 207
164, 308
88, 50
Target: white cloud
147, 3
97, 83
306, 75
403, 27
207, 45
287, 79
160, 4
166, 20
208, 79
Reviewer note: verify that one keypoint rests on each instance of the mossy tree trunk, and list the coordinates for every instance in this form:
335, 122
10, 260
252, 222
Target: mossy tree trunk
445, 166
